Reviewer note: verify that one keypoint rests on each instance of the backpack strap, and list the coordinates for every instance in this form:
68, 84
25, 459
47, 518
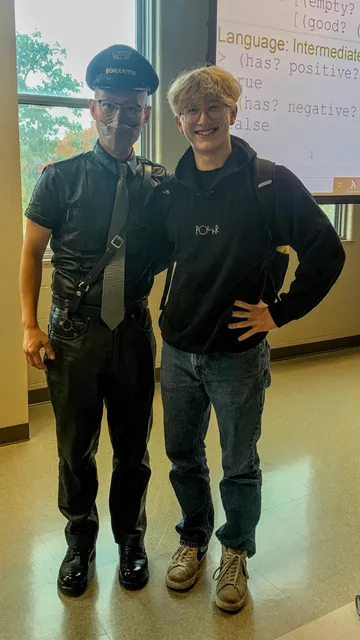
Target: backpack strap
264, 178
264, 175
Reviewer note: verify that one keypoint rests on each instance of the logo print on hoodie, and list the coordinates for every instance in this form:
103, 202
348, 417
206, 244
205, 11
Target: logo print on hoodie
205, 230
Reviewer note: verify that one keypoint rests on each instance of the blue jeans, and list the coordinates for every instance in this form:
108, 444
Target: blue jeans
234, 384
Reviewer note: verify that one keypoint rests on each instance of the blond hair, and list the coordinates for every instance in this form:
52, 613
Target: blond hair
190, 86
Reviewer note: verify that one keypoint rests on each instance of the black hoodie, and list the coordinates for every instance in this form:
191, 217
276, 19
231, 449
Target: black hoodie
221, 244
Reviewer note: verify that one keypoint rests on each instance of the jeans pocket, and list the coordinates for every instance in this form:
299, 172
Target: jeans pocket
267, 364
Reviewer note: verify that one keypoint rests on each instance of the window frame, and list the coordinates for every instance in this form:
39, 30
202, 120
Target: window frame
342, 220
51, 101
36, 100
144, 29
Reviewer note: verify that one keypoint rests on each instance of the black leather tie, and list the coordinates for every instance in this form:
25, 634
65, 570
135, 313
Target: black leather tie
113, 295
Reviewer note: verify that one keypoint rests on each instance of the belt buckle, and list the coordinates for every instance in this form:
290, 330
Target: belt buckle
117, 242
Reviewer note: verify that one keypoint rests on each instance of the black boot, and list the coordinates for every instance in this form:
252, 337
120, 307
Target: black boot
134, 572
76, 571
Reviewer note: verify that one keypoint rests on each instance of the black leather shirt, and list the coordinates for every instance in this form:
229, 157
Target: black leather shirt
75, 198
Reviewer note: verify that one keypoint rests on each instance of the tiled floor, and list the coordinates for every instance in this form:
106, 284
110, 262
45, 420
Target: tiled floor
307, 563
342, 624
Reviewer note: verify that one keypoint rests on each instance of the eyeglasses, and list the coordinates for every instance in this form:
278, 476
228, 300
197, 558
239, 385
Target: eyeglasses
128, 109
191, 115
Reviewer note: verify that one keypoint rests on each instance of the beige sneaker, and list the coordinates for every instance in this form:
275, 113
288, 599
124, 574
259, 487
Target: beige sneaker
232, 580
184, 567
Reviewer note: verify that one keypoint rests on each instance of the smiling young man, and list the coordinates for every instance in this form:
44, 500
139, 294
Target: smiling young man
215, 322
100, 347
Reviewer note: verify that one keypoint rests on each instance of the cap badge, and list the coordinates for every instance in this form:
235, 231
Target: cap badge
121, 54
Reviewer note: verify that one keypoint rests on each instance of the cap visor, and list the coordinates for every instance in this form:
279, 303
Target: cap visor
116, 82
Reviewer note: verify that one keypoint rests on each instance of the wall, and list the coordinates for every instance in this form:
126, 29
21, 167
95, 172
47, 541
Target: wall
13, 379
181, 43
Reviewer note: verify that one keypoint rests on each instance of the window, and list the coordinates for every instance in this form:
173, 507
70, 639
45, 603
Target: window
54, 47
341, 217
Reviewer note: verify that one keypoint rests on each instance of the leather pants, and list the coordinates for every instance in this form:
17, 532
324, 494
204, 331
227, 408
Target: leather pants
96, 366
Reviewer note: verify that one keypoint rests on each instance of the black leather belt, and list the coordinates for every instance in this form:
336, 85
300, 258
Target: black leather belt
94, 312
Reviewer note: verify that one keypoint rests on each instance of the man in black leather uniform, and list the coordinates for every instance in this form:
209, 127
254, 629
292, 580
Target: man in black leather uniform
100, 348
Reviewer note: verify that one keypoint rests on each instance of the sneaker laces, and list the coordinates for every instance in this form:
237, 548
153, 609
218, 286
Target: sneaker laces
230, 568
183, 556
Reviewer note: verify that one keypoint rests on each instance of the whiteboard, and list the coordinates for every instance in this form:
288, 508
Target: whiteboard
298, 62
